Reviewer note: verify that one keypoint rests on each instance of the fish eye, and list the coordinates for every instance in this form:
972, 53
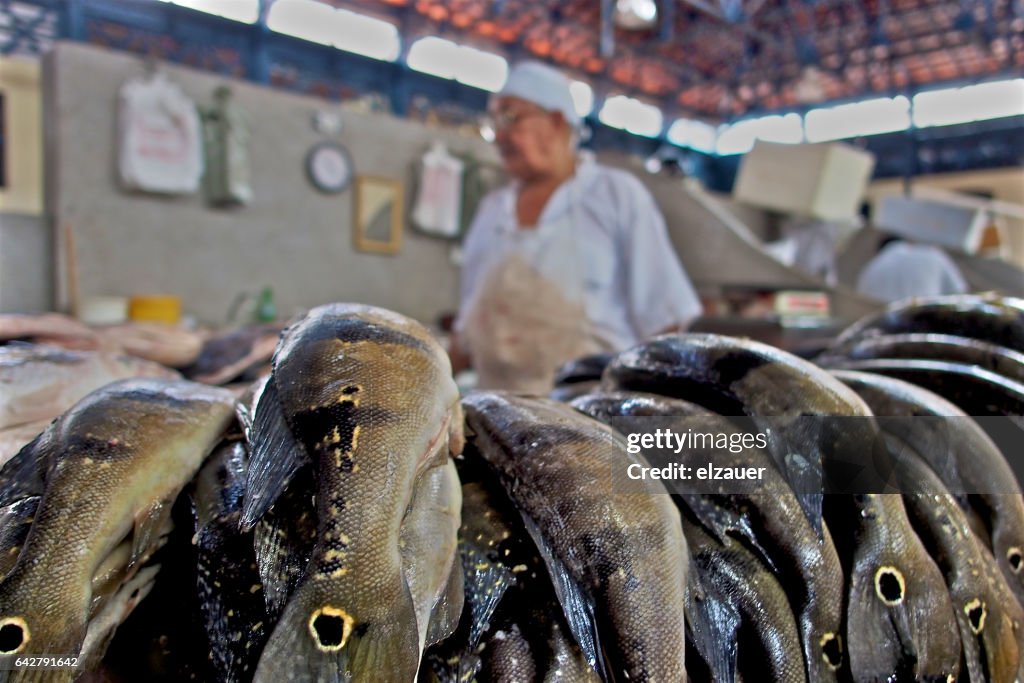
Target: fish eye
14, 635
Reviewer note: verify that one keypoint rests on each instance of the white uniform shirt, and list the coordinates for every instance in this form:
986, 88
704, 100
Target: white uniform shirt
634, 286
902, 270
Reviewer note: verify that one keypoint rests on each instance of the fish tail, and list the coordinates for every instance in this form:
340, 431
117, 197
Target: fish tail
321, 639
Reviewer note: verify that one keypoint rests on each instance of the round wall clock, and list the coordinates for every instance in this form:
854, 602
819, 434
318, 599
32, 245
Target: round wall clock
329, 167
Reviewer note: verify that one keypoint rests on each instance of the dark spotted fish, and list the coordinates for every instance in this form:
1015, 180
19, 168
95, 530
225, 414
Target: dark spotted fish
942, 347
114, 464
898, 613
962, 456
768, 640
988, 615
987, 317
769, 517
364, 399
229, 587
618, 559
777, 390
230, 354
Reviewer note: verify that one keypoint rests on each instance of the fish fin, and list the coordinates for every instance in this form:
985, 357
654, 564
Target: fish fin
283, 539
727, 526
318, 641
713, 624
578, 608
150, 531
276, 457
444, 617
485, 583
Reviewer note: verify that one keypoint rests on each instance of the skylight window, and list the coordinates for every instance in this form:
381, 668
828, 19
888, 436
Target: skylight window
693, 134
972, 103
868, 117
320, 23
632, 116
246, 11
739, 137
445, 59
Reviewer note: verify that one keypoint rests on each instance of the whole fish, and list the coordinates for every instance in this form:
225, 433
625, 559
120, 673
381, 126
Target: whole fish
364, 396
943, 347
234, 614
768, 517
777, 390
988, 317
898, 612
114, 463
769, 643
988, 616
961, 455
618, 557
974, 390
41, 382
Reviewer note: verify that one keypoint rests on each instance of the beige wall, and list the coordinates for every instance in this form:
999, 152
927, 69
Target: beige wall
1004, 184
290, 237
19, 84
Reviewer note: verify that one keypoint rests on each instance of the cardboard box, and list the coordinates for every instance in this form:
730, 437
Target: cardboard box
954, 226
825, 181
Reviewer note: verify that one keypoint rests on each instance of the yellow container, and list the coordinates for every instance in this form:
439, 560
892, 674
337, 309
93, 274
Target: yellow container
155, 308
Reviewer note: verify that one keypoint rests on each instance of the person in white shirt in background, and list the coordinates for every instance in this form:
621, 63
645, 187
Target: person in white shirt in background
903, 269
569, 258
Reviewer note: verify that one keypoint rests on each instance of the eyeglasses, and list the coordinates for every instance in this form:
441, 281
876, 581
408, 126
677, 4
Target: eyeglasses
504, 119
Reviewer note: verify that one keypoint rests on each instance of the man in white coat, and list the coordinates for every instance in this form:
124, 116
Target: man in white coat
569, 258
902, 269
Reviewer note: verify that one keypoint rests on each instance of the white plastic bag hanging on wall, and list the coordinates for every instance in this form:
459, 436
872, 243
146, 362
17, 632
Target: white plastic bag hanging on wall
160, 137
438, 206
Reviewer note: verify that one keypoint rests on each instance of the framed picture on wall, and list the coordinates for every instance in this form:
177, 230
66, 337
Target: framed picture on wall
378, 215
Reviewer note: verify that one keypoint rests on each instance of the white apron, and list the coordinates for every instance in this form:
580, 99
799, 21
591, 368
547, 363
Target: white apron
529, 315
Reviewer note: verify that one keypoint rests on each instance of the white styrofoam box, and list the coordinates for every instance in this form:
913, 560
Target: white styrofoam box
933, 221
825, 180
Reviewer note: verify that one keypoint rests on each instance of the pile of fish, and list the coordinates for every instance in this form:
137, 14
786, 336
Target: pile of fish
349, 518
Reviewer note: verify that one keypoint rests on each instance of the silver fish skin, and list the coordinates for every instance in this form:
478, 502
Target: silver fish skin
962, 456
115, 463
624, 552
363, 398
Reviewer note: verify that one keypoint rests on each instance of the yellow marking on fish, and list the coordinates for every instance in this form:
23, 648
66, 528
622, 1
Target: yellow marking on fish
519, 568
86, 461
255, 587
976, 613
231, 612
15, 628
257, 626
355, 439
13, 551
889, 585
337, 458
328, 634
332, 555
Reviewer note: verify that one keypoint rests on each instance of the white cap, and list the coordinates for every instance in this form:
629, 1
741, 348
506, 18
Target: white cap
545, 86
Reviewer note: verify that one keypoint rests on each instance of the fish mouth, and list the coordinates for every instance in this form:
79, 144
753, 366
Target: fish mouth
890, 586
14, 635
330, 627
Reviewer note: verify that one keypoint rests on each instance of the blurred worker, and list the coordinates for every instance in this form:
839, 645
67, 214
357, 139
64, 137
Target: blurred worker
568, 259
902, 269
